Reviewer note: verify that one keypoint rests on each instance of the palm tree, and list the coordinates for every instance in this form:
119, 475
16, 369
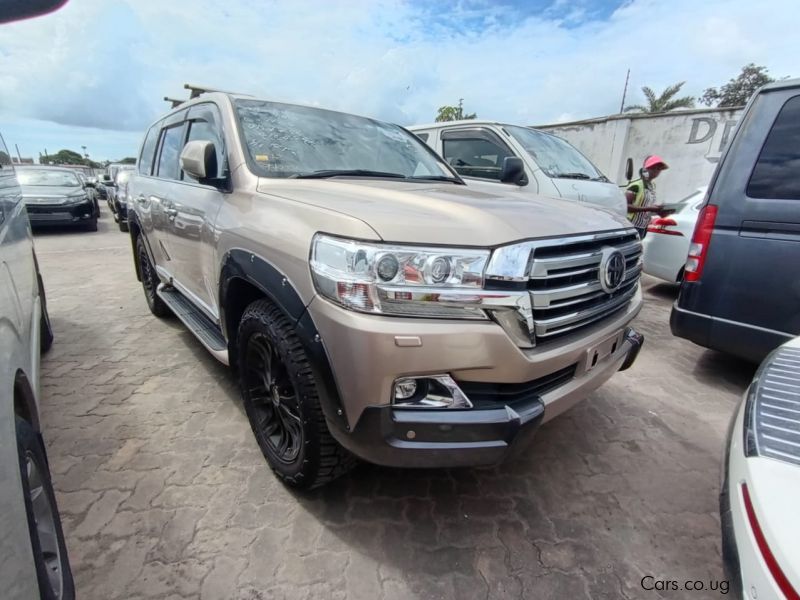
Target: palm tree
663, 103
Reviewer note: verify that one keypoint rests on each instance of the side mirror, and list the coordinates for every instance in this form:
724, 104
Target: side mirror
513, 170
13, 10
629, 169
89, 184
106, 179
199, 159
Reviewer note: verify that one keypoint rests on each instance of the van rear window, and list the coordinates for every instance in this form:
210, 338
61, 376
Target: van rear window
777, 171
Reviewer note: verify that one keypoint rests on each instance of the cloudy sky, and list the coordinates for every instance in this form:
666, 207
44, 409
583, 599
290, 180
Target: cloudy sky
93, 74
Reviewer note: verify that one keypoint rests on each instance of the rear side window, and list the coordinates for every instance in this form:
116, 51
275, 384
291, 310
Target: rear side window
777, 171
171, 146
423, 136
148, 151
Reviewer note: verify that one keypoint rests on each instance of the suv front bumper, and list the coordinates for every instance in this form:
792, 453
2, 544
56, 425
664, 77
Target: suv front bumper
369, 353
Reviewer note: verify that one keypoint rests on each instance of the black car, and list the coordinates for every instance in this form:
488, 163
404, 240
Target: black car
741, 287
117, 196
56, 196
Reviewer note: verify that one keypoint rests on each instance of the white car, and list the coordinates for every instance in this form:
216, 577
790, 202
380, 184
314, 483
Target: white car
761, 483
531, 162
666, 244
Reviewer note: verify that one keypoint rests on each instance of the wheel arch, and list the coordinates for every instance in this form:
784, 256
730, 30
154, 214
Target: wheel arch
25, 400
245, 278
134, 231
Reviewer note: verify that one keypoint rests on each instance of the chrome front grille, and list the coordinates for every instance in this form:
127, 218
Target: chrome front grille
565, 283
548, 288
777, 414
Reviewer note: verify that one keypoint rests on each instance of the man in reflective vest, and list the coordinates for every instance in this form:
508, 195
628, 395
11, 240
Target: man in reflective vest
641, 194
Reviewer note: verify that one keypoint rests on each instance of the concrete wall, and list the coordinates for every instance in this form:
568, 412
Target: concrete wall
690, 141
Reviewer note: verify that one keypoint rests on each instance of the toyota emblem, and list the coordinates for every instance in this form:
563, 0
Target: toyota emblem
612, 270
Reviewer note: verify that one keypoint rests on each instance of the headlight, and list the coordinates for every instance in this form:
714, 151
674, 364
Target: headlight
399, 280
77, 198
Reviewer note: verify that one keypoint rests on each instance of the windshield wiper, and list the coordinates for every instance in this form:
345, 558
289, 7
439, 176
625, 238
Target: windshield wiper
436, 178
323, 174
572, 176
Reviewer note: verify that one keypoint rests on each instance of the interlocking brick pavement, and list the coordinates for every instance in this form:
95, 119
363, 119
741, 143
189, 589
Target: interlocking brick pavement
164, 493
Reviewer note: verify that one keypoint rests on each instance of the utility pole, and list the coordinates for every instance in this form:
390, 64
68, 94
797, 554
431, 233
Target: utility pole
460, 108
624, 93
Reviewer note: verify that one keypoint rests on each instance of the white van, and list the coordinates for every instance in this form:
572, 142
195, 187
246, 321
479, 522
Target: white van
490, 152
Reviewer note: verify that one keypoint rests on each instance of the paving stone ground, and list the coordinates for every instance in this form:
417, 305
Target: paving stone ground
164, 493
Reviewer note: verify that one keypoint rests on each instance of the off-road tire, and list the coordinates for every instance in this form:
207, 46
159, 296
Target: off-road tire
91, 225
29, 447
320, 459
150, 281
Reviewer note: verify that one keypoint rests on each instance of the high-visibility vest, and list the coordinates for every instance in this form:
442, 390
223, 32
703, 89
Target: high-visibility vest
640, 190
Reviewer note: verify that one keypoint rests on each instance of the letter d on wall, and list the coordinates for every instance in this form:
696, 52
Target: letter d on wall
694, 133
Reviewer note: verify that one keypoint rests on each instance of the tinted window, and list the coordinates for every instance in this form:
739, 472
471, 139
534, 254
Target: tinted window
423, 136
148, 151
171, 146
206, 127
475, 157
777, 171
283, 140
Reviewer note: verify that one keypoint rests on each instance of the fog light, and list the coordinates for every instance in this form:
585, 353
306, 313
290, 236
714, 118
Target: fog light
436, 391
404, 389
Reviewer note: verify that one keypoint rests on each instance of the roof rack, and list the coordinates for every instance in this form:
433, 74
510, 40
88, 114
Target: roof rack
175, 101
195, 91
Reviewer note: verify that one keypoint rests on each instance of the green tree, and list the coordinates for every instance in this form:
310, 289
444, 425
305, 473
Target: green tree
128, 160
67, 157
739, 90
453, 113
664, 102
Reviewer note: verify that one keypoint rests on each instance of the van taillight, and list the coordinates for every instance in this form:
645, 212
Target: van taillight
701, 240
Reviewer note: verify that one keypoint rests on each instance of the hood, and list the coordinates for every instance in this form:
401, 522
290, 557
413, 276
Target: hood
49, 193
444, 213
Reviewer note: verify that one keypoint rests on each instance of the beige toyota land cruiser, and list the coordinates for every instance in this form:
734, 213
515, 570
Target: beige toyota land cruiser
372, 305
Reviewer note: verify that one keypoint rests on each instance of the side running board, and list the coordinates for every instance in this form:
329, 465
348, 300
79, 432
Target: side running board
198, 323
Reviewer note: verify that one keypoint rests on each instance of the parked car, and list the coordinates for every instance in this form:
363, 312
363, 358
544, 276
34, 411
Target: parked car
666, 244
761, 483
33, 556
56, 196
488, 151
740, 292
371, 303
117, 197
89, 184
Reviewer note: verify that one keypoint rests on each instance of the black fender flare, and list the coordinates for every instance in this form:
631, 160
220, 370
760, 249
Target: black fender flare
135, 230
276, 287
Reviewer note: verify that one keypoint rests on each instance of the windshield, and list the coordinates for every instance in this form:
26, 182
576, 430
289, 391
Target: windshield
284, 140
47, 177
556, 157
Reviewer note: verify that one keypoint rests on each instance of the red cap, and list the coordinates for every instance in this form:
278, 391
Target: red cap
655, 161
